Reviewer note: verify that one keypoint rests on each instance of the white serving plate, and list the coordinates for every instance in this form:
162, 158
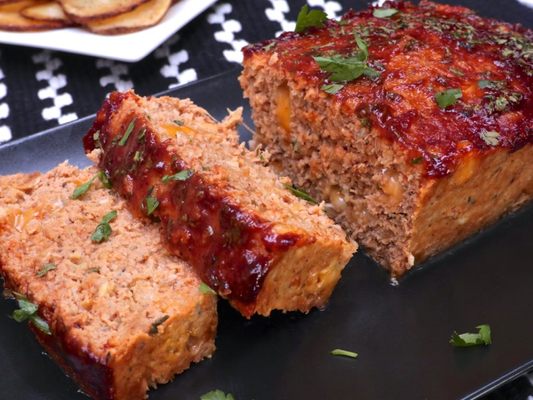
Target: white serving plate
129, 47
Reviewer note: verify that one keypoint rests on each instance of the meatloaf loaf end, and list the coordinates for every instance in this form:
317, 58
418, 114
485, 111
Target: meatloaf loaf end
247, 236
414, 123
123, 314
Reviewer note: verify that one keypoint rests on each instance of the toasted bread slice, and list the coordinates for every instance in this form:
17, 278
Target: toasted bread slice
12, 20
49, 11
83, 11
122, 314
142, 17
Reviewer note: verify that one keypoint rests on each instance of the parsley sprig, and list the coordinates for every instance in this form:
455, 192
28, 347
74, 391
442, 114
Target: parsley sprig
448, 97
344, 69
205, 289
300, 193
217, 395
344, 353
27, 311
482, 337
384, 12
103, 230
310, 19
180, 176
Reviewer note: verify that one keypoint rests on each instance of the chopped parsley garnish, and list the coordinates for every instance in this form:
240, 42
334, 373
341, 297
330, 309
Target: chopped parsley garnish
483, 337
492, 138
206, 289
180, 176
448, 97
310, 19
179, 122
104, 179
344, 69
417, 160
103, 230
141, 136
27, 311
137, 156
269, 46
217, 395
384, 12
151, 202
300, 193
332, 88
96, 138
484, 84
344, 353
46, 269
154, 328
82, 189
127, 134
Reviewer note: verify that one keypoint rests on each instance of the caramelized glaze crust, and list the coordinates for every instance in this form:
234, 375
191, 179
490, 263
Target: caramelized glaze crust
419, 52
231, 246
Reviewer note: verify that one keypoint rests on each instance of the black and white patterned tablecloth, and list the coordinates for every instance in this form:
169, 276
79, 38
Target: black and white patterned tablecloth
40, 89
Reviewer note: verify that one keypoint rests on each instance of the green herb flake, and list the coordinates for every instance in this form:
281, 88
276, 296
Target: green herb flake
332, 88
142, 135
417, 160
46, 269
482, 337
127, 134
154, 328
27, 311
269, 46
179, 122
456, 71
96, 138
180, 176
103, 230
104, 179
384, 12
217, 395
492, 138
151, 203
205, 289
137, 156
344, 69
82, 189
310, 19
344, 353
448, 97
300, 194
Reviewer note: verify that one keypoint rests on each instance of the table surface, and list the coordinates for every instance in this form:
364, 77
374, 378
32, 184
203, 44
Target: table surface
40, 89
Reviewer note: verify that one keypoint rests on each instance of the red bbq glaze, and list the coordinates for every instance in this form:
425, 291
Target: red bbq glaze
232, 250
420, 51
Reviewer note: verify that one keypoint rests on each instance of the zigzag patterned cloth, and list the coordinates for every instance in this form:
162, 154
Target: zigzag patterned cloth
40, 89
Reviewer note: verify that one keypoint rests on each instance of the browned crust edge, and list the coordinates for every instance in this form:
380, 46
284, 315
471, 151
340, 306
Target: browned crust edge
81, 20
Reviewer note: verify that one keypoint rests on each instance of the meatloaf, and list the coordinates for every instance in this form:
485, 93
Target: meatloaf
414, 123
239, 225
120, 314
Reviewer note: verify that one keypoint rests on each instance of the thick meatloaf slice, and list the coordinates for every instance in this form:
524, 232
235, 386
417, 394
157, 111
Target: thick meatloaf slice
124, 315
247, 236
430, 143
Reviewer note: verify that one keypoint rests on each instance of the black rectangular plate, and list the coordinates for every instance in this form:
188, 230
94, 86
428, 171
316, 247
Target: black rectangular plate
400, 332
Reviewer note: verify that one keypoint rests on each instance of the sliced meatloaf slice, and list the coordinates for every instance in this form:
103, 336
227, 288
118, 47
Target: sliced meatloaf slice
412, 122
123, 315
247, 236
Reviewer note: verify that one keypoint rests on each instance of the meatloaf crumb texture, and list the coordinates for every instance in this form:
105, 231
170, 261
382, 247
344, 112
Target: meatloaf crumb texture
124, 314
232, 218
404, 176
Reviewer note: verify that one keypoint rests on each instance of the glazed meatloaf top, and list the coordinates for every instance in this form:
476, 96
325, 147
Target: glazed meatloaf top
438, 79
